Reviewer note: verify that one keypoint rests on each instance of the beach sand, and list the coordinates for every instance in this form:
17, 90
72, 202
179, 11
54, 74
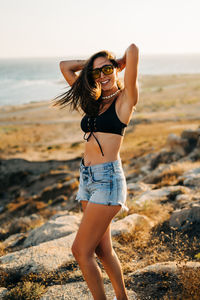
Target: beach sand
39, 131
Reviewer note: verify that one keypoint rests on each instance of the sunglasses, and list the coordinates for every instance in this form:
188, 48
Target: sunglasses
106, 69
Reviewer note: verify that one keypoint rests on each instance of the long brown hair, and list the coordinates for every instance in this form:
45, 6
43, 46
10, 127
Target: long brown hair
85, 93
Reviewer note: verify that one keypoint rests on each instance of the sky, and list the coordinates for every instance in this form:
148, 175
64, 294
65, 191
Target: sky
48, 28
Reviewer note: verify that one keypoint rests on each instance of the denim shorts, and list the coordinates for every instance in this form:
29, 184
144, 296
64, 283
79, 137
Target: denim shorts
103, 184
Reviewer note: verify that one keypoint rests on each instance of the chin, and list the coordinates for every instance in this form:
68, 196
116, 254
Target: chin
107, 87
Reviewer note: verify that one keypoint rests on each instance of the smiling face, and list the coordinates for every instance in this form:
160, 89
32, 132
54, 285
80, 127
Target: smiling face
108, 82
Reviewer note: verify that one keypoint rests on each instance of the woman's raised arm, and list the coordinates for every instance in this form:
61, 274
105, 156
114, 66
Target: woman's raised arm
130, 62
69, 69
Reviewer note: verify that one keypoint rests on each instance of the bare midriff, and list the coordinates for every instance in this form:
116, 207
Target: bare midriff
110, 144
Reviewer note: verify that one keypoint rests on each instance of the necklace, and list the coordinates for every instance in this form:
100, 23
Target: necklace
110, 96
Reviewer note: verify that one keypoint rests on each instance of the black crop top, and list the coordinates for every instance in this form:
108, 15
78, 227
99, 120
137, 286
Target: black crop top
107, 121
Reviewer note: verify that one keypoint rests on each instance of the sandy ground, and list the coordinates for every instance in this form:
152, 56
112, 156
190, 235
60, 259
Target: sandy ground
39, 131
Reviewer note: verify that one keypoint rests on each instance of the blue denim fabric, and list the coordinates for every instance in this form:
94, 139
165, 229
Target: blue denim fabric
103, 184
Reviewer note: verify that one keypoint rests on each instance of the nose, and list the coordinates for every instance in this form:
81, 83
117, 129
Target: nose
102, 74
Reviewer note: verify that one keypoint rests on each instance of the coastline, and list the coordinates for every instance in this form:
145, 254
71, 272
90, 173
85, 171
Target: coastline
38, 131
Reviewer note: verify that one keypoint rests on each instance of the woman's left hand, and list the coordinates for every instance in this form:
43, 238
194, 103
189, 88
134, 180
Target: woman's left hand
121, 63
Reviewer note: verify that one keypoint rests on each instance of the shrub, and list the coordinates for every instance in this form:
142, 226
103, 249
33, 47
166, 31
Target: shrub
26, 291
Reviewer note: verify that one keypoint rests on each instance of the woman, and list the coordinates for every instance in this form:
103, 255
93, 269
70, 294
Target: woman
102, 191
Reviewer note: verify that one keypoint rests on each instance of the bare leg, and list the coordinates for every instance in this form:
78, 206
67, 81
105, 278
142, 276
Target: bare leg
94, 224
110, 261
111, 264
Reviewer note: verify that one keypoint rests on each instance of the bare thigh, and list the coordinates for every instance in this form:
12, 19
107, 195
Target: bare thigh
105, 244
94, 229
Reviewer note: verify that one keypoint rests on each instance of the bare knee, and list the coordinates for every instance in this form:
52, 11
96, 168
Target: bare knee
104, 252
80, 252
75, 250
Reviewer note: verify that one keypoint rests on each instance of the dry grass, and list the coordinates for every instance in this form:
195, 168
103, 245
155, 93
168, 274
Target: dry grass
145, 247
26, 291
155, 211
171, 174
161, 244
189, 280
3, 278
33, 286
141, 249
2, 249
166, 91
147, 138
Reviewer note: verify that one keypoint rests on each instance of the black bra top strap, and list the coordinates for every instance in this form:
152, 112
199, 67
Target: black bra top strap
87, 139
98, 144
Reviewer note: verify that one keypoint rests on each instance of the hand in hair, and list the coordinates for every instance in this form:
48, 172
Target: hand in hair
121, 63
69, 69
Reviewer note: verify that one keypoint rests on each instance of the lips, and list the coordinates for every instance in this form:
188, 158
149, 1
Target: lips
105, 82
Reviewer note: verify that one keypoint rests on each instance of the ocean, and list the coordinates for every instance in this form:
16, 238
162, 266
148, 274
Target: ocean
25, 80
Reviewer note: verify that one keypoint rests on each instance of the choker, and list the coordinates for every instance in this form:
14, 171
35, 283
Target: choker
110, 96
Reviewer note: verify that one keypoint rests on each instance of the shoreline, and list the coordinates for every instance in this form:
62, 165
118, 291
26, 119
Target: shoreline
38, 131
141, 76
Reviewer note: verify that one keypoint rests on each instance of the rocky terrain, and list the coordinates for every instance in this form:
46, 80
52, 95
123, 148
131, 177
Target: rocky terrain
157, 240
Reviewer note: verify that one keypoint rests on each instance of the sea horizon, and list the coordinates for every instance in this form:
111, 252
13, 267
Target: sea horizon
87, 55
25, 80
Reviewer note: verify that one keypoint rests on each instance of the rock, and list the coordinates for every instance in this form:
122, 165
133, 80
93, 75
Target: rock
161, 195
20, 178
195, 154
127, 224
145, 170
155, 175
3, 292
177, 144
191, 178
184, 199
187, 143
71, 291
55, 190
13, 240
192, 136
167, 157
47, 256
184, 217
55, 228
77, 291
13, 170
24, 224
160, 279
198, 143
168, 267
138, 187
138, 167
188, 200
59, 200
184, 144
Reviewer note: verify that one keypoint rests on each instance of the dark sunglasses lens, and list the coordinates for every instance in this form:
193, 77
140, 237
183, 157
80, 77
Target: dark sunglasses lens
96, 73
107, 70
